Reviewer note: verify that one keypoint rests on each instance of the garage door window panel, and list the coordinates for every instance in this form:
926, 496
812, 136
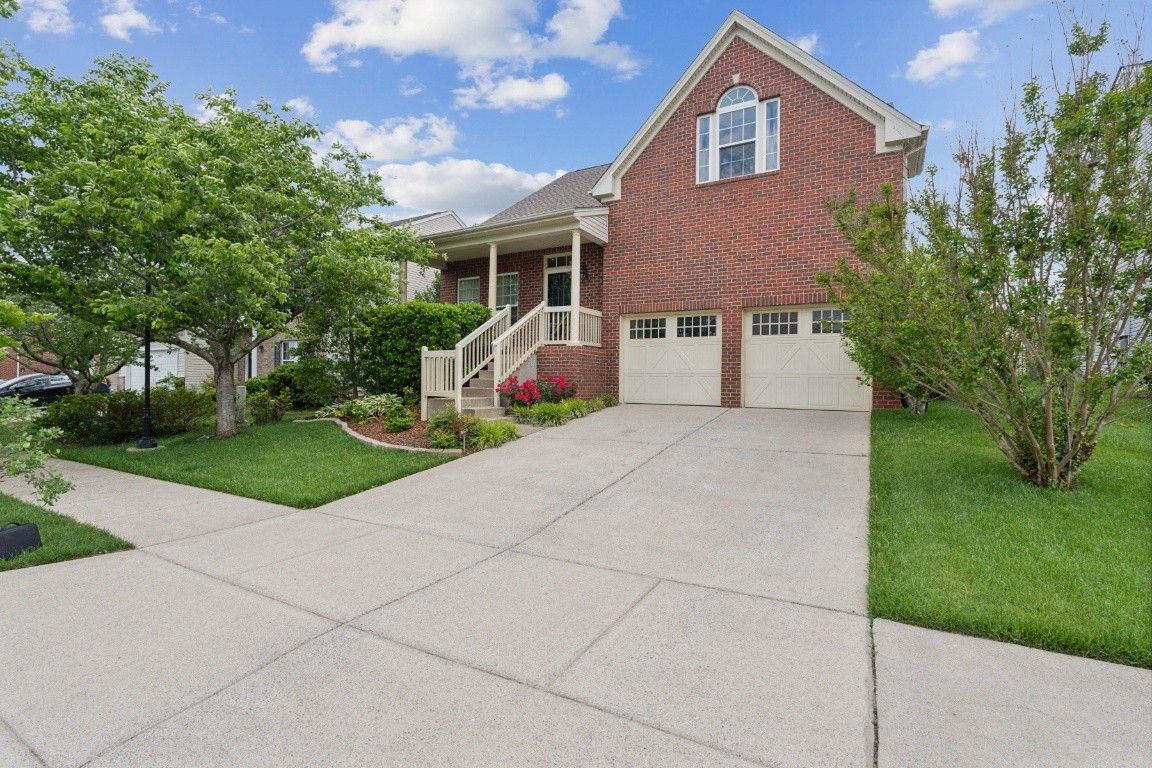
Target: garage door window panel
826, 321
696, 326
775, 323
647, 328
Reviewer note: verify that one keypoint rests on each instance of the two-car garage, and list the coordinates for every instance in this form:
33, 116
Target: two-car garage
791, 357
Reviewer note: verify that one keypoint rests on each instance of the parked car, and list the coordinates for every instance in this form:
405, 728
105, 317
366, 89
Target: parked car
40, 388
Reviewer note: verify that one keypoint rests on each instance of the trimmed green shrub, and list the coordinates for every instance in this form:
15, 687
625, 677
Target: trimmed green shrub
607, 401
399, 420
448, 428
115, 417
256, 384
389, 352
309, 383
176, 411
483, 434
263, 408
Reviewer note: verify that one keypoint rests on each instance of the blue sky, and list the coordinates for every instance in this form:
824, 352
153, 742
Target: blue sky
472, 104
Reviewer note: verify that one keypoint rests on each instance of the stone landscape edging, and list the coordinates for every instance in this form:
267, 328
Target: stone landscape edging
379, 444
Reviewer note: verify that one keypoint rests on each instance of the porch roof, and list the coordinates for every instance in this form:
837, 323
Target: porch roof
528, 233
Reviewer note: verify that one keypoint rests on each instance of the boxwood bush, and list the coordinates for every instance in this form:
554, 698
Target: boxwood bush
390, 354
309, 383
115, 417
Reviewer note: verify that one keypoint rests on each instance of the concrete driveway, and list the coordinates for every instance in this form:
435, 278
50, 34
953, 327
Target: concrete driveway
648, 586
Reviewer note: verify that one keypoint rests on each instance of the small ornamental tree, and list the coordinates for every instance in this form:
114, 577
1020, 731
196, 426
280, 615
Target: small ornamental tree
86, 353
1014, 297
121, 208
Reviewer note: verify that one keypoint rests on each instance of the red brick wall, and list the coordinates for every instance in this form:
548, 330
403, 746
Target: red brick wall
8, 366
530, 265
751, 241
584, 365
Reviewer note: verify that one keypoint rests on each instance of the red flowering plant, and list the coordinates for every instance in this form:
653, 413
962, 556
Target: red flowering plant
518, 393
553, 389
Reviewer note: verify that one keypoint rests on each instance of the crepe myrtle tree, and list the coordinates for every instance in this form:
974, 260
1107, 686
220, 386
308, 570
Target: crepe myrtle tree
1013, 296
123, 209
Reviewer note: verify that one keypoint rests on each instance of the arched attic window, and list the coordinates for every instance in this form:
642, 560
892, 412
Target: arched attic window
740, 138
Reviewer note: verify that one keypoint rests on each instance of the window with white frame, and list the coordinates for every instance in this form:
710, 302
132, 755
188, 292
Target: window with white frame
508, 293
740, 138
468, 289
828, 320
286, 352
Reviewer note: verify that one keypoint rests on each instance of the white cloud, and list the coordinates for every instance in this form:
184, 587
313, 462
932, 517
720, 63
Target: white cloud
989, 11
510, 93
474, 189
494, 42
806, 43
946, 126
49, 17
410, 86
399, 138
301, 106
122, 16
945, 60
198, 12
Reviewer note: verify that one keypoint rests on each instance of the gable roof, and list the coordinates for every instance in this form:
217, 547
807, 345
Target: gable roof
895, 131
569, 192
431, 223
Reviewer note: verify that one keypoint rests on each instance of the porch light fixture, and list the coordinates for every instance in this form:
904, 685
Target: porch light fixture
583, 271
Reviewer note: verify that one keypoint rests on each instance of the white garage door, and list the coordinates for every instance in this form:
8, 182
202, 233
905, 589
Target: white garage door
793, 358
670, 359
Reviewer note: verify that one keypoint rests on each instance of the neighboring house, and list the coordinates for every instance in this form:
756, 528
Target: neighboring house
14, 364
1135, 327
167, 360
684, 272
416, 278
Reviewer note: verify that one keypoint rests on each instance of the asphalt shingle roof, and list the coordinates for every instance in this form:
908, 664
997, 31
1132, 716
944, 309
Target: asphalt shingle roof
567, 192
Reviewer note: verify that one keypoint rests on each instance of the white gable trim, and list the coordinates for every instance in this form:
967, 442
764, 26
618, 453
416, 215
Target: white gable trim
895, 131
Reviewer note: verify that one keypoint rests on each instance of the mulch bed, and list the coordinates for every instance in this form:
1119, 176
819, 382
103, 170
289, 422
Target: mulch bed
416, 437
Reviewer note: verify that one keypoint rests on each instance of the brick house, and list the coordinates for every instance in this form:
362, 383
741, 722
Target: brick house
684, 271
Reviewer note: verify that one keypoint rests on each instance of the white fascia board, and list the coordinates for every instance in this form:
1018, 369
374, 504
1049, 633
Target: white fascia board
895, 131
517, 229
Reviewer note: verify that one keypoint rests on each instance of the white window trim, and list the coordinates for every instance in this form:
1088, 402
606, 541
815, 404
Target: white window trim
506, 274
288, 349
461, 280
552, 270
761, 148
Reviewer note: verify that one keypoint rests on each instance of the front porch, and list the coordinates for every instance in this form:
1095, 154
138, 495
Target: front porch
552, 264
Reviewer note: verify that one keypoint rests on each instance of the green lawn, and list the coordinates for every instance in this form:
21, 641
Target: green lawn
959, 543
63, 537
299, 465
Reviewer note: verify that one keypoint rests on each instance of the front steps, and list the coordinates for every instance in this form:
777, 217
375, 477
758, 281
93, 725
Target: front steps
476, 398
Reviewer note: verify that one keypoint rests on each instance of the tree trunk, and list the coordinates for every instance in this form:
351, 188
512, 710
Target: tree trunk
225, 399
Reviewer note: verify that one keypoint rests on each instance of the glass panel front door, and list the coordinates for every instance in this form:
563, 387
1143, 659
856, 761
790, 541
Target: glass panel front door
560, 289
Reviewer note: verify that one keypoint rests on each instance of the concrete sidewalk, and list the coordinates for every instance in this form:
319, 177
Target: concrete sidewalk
646, 586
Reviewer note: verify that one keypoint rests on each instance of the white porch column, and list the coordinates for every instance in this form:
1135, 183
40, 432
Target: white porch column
575, 338
492, 276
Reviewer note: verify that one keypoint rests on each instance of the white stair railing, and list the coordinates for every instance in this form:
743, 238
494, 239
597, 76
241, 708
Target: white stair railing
517, 344
444, 372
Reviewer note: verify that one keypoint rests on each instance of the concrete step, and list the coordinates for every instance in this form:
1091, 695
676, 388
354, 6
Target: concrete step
487, 412
481, 401
481, 381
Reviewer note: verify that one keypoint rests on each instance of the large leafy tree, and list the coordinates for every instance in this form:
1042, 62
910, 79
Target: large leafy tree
1015, 297
123, 209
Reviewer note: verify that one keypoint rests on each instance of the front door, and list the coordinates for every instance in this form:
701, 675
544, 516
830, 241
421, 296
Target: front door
560, 289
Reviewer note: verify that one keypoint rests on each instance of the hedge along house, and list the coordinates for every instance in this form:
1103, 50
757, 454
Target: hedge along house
684, 272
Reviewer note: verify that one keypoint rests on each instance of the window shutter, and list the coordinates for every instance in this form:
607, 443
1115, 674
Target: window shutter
276, 356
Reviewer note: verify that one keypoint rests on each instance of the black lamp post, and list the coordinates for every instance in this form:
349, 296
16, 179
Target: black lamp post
146, 440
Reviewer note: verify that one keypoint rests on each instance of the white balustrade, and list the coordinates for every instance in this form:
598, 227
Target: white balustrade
559, 325
591, 323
